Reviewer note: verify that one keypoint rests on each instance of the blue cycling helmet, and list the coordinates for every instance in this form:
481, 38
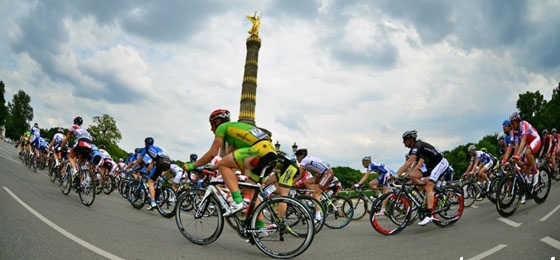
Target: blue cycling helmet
506, 122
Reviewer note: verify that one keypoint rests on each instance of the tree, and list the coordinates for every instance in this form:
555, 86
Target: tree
3, 109
530, 104
104, 130
20, 114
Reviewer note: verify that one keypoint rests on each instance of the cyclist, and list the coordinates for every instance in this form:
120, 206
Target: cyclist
159, 164
555, 146
285, 175
529, 144
178, 175
35, 138
250, 149
322, 175
82, 146
549, 149
383, 173
436, 165
481, 162
57, 139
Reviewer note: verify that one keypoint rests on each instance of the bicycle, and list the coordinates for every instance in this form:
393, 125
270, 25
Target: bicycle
311, 204
360, 203
406, 204
199, 219
82, 182
513, 186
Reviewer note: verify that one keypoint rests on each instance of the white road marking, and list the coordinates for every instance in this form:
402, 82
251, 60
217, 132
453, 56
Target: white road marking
551, 242
509, 222
487, 253
62, 231
550, 213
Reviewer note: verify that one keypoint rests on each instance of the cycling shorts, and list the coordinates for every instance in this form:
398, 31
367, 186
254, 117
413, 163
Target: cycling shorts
263, 154
286, 178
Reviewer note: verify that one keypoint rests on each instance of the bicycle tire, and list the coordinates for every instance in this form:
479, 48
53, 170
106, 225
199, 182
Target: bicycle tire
542, 189
394, 219
312, 204
86, 190
284, 239
137, 194
166, 201
469, 193
449, 207
205, 228
53, 174
107, 185
508, 196
360, 205
491, 195
336, 216
65, 184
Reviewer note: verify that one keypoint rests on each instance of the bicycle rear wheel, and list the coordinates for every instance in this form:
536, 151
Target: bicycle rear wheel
394, 218
335, 215
166, 201
283, 239
87, 188
200, 222
508, 196
542, 188
137, 194
449, 207
360, 205
108, 184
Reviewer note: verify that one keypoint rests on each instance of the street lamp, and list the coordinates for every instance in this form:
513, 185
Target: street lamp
294, 147
277, 146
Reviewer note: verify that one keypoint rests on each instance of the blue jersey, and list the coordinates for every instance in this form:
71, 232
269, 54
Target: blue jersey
43, 143
153, 151
380, 168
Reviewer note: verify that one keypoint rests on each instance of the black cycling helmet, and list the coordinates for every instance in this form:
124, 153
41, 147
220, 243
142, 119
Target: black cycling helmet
36, 125
149, 141
366, 159
60, 130
193, 157
410, 134
137, 150
301, 152
78, 120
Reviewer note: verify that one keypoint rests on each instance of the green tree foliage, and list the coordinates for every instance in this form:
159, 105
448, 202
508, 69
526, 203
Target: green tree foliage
530, 104
348, 176
3, 108
104, 130
20, 114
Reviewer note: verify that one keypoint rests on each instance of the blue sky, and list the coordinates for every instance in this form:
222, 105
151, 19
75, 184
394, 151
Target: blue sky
342, 78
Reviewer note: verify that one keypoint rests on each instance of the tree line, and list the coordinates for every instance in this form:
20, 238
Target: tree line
17, 115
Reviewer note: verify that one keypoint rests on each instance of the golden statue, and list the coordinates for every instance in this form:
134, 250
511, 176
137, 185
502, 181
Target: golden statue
256, 21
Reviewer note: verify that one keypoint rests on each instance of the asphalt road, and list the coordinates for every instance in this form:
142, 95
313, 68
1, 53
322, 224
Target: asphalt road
39, 222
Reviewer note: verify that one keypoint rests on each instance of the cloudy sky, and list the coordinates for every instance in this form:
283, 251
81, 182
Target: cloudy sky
342, 78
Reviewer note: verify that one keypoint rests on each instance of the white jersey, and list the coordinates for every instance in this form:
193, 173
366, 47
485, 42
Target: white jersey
314, 164
105, 154
58, 138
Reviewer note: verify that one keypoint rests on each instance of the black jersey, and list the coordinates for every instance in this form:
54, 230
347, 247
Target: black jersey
427, 152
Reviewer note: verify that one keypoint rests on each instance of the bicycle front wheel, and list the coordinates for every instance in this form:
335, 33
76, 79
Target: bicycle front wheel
470, 192
393, 219
87, 188
285, 238
312, 205
200, 222
508, 196
337, 216
360, 205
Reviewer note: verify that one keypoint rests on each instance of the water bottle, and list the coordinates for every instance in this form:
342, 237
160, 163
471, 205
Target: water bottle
227, 197
416, 195
329, 193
